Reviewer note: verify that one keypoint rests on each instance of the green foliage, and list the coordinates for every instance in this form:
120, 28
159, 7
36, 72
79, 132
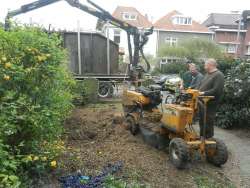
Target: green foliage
195, 50
174, 68
208, 182
85, 91
35, 98
234, 108
173, 51
226, 63
192, 49
112, 182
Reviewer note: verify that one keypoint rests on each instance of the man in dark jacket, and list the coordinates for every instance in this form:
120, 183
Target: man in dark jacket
187, 77
211, 85
196, 77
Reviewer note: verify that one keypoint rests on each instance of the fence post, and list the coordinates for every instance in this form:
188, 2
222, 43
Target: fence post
79, 48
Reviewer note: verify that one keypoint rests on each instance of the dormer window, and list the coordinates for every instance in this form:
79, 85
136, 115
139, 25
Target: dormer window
182, 20
129, 16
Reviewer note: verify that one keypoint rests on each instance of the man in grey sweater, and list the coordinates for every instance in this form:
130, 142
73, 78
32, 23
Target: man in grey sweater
196, 77
211, 85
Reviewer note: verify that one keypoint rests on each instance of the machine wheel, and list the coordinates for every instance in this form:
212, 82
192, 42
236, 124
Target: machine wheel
220, 154
132, 126
179, 153
105, 89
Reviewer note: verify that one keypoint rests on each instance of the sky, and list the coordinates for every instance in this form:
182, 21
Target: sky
61, 15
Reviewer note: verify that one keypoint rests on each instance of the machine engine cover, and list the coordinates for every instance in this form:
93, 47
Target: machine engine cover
176, 118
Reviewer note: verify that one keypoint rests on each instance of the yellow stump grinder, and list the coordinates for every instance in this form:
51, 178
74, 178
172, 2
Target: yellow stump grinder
143, 109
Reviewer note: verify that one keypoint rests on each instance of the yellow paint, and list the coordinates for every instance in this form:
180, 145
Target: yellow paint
133, 97
176, 117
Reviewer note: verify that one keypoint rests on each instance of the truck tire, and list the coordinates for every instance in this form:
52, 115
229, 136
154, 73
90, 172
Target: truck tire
179, 153
105, 89
220, 155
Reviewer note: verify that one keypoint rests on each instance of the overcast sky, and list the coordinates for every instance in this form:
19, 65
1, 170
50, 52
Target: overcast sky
61, 15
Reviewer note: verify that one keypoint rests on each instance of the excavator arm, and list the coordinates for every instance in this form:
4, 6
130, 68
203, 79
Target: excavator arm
140, 38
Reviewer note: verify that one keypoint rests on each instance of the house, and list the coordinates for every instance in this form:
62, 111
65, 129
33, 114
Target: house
246, 25
175, 27
132, 16
230, 32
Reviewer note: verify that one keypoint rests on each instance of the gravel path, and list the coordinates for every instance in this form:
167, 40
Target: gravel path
238, 143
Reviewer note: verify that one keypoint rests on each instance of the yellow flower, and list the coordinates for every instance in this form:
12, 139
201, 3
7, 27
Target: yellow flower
48, 55
6, 77
39, 58
29, 158
36, 158
28, 70
7, 65
44, 158
4, 59
53, 164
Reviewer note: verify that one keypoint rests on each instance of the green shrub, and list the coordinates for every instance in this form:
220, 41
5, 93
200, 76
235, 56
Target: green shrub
174, 68
85, 91
35, 98
226, 63
235, 105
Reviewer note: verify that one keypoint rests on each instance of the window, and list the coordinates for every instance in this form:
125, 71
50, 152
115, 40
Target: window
248, 50
129, 16
182, 20
133, 17
163, 61
171, 41
231, 48
168, 40
174, 41
126, 16
117, 36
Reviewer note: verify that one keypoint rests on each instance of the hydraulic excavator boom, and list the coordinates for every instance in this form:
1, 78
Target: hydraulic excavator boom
140, 37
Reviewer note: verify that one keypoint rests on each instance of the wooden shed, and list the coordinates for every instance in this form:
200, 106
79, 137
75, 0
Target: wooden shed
88, 54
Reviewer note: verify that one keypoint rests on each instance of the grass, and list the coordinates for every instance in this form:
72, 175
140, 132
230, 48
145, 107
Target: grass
209, 182
112, 182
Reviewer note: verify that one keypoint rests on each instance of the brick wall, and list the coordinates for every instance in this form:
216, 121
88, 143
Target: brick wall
223, 37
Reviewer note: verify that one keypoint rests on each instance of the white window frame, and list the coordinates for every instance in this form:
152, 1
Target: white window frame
129, 16
248, 49
163, 61
117, 33
172, 41
229, 50
125, 16
182, 20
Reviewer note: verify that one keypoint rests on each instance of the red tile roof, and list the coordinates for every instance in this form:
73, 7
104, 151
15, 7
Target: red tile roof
141, 20
165, 23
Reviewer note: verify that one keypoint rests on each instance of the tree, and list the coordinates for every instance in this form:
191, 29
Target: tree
192, 49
